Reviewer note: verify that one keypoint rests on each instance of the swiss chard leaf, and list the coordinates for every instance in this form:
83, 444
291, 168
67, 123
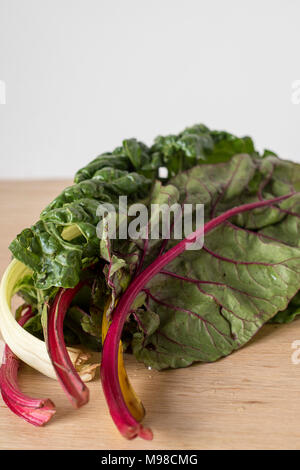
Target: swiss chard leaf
212, 301
209, 302
56, 261
290, 313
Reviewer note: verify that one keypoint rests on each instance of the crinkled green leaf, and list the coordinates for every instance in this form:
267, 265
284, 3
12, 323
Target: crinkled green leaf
209, 302
197, 145
56, 261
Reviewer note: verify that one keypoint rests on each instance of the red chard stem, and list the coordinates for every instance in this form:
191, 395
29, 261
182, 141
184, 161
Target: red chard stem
124, 421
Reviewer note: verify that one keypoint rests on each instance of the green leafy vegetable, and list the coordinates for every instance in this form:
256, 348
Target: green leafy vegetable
201, 305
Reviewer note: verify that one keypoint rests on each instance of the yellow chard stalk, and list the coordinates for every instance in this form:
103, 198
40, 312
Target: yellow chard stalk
132, 401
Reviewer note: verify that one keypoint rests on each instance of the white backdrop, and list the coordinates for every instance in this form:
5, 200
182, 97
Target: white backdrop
81, 75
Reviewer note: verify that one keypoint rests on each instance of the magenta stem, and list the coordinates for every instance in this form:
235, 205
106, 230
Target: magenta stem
124, 421
34, 410
75, 389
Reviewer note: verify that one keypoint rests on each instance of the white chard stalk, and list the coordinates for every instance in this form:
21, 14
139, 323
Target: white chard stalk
25, 346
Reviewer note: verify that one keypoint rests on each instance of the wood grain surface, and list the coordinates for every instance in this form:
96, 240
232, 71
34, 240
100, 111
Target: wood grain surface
249, 400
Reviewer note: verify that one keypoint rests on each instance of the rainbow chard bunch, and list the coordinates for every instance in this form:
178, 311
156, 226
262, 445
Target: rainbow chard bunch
168, 305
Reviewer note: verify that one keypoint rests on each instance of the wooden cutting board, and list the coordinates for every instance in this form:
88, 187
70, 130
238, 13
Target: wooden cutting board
249, 400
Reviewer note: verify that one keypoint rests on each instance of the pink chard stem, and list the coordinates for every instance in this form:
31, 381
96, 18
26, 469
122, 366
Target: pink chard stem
35, 411
124, 421
72, 384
